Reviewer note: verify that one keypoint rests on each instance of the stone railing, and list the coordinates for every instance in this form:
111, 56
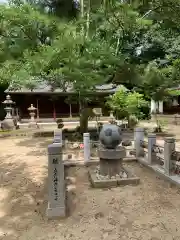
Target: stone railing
164, 160
87, 149
56, 172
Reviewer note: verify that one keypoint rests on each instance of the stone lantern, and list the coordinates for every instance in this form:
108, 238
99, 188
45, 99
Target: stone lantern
32, 114
8, 122
8, 106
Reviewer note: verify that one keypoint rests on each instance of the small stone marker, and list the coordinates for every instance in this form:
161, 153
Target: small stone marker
56, 183
86, 140
57, 136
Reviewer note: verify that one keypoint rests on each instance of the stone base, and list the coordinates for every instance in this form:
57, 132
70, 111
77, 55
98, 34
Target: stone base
32, 125
55, 212
110, 167
108, 183
8, 124
118, 153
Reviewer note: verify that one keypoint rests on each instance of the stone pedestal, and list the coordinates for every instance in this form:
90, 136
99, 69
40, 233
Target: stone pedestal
8, 124
110, 168
111, 161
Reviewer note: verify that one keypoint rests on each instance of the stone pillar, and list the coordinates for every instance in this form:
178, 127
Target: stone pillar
169, 147
57, 136
86, 141
138, 137
160, 106
56, 183
153, 106
151, 153
111, 161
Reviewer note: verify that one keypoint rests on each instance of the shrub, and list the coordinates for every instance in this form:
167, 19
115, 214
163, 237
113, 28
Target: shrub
59, 123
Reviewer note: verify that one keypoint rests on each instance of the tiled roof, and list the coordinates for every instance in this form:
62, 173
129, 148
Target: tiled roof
45, 88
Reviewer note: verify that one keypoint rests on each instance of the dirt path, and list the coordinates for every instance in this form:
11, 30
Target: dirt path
150, 211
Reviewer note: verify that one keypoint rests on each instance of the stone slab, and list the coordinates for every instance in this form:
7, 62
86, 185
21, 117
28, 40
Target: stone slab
95, 162
109, 183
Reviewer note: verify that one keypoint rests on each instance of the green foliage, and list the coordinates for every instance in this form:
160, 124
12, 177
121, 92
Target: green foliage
174, 92
126, 104
59, 122
156, 81
135, 43
70, 61
23, 31
132, 121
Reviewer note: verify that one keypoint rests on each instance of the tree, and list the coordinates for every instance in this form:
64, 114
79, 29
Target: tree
127, 104
70, 61
130, 43
23, 30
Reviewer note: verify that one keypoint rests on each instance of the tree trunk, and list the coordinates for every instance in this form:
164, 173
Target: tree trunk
54, 111
37, 106
82, 8
84, 120
88, 18
70, 110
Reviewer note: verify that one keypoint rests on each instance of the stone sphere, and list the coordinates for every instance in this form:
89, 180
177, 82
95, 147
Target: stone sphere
110, 136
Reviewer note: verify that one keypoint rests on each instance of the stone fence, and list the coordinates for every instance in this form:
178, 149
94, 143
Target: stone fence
145, 147
57, 151
164, 160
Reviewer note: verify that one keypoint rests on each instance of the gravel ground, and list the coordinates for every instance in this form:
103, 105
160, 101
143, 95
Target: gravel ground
149, 211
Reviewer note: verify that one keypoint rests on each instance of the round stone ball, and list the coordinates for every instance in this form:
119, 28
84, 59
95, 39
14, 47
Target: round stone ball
110, 136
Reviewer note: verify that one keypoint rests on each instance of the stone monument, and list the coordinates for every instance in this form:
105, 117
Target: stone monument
8, 123
110, 154
110, 172
56, 183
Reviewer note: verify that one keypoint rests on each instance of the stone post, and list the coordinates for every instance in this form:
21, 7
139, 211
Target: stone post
151, 153
138, 137
56, 183
169, 147
57, 136
86, 141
